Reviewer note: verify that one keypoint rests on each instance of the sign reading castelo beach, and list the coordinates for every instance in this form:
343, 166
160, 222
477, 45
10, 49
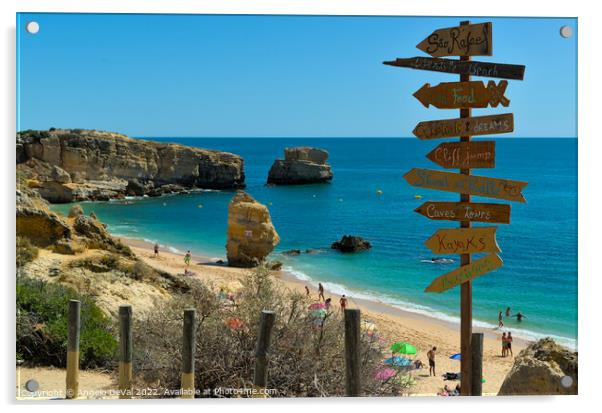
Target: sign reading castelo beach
464, 41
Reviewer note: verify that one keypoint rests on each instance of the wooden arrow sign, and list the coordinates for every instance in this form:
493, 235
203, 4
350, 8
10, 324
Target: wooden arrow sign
479, 125
478, 154
467, 184
459, 67
466, 211
463, 241
465, 40
458, 95
465, 273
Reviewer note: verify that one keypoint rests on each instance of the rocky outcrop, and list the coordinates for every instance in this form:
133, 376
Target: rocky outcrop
351, 243
251, 234
72, 165
301, 165
539, 370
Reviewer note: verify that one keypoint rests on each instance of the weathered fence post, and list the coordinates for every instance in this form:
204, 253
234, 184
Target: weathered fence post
188, 353
260, 379
352, 353
125, 354
477, 364
73, 329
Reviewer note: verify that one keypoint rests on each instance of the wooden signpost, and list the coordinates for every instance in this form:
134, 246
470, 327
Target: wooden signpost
458, 95
464, 154
463, 241
479, 125
467, 184
458, 67
464, 41
466, 211
465, 273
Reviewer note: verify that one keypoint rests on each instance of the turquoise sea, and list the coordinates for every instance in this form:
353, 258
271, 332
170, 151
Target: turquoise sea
539, 247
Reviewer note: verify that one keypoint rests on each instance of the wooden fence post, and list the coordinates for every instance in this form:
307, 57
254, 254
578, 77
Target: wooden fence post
73, 330
477, 364
352, 353
260, 379
125, 354
188, 353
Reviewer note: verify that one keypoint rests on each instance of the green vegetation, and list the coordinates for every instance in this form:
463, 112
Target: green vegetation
42, 326
26, 251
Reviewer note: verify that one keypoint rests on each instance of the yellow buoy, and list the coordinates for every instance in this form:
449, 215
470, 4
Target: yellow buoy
417, 196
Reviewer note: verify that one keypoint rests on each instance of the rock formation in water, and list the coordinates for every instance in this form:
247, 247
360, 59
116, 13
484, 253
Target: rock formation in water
539, 370
251, 234
68, 165
301, 165
351, 243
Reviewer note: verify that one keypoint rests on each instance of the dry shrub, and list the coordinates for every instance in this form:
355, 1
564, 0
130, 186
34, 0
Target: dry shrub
305, 360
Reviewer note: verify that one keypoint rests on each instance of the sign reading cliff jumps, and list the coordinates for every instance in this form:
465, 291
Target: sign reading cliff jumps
465, 273
479, 125
464, 41
464, 154
458, 95
463, 241
466, 211
467, 184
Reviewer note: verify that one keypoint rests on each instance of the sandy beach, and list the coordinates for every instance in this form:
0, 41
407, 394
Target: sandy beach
392, 323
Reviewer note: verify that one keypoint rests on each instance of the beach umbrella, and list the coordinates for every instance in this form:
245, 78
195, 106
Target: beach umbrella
385, 374
398, 361
403, 348
457, 356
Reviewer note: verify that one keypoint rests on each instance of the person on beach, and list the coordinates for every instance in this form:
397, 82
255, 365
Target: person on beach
306, 291
343, 302
156, 250
500, 320
504, 345
508, 311
187, 258
509, 344
519, 316
431, 356
320, 291
328, 303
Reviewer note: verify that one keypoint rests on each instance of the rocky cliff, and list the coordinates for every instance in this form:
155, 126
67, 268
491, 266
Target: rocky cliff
67, 165
251, 234
301, 165
543, 368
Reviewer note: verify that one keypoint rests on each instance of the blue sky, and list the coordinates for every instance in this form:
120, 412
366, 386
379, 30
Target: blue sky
273, 76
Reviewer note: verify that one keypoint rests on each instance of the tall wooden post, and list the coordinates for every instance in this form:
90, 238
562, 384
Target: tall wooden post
353, 387
188, 353
125, 352
477, 364
260, 379
73, 331
465, 288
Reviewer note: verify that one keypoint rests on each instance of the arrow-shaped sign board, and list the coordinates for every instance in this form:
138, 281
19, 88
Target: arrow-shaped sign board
465, 273
478, 125
467, 184
466, 40
466, 211
462, 155
458, 95
463, 241
459, 67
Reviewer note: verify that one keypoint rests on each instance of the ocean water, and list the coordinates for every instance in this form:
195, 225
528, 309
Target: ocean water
539, 247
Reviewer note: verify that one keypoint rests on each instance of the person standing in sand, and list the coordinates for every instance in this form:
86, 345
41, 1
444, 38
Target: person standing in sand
431, 356
343, 302
509, 344
306, 291
504, 344
500, 320
320, 292
156, 250
187, 258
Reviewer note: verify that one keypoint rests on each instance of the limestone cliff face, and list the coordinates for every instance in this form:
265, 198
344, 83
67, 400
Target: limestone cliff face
301, 165
76, 163
251, 234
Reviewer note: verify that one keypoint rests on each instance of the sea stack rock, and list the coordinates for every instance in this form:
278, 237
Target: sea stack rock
351, 243
301, 165
539, 370
251, 234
